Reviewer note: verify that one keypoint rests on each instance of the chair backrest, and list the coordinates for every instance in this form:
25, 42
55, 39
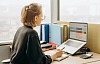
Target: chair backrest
4, 52
6, 61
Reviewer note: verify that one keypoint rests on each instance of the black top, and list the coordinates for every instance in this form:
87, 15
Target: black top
26, 48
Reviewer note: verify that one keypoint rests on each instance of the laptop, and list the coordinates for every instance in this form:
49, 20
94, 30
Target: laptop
77, 38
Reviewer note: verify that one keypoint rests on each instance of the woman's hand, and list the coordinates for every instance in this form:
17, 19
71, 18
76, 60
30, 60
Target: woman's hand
44, 49
57, 53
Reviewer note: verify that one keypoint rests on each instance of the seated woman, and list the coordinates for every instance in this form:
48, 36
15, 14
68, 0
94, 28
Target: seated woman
26, 47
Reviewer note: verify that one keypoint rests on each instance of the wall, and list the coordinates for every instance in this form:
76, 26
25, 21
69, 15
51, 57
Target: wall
94, 37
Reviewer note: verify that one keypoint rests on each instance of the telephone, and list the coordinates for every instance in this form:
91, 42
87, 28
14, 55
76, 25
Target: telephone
86, 56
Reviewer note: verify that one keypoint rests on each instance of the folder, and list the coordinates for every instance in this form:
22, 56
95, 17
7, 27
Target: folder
55, 34
44, 32
53, 44
65, 30
65, 33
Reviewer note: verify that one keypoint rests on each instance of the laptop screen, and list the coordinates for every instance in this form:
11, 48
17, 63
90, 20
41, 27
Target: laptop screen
78, 31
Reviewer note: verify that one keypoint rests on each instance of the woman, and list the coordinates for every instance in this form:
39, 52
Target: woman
26, 47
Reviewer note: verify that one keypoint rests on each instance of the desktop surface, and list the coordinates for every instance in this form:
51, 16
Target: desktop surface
77, 60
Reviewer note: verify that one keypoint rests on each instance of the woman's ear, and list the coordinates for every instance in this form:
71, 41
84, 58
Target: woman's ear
36, 17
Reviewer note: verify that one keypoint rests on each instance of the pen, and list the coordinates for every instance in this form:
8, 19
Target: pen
63, 48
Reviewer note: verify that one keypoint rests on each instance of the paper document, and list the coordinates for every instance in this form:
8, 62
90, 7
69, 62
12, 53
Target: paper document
51, 52
62, 57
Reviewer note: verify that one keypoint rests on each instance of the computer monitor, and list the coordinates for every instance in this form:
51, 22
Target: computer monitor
78, 31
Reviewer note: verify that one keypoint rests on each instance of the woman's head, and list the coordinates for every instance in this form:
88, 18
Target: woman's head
31, 15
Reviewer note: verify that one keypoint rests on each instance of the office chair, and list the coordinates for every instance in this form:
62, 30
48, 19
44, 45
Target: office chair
4, 53
6, 61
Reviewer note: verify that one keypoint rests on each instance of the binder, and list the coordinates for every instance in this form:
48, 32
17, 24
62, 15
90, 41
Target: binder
64, 30
65, 33
44, 32
55, 34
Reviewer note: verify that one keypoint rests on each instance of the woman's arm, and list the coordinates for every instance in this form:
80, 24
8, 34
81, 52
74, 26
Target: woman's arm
34, 51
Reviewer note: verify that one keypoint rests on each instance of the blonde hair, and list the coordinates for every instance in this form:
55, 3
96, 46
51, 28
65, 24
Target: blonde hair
28, 14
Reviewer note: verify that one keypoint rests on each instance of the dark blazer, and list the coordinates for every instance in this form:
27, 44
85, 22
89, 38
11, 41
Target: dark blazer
26, 48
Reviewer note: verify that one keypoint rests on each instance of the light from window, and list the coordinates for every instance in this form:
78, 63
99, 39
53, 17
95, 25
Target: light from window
10, 12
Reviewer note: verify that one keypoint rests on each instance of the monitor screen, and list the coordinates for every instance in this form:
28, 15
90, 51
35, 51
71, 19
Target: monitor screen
78, 31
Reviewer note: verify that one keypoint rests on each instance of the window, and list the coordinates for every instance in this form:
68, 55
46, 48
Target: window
80, 10
10, 12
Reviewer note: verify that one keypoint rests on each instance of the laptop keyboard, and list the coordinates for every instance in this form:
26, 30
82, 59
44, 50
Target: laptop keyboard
75, 45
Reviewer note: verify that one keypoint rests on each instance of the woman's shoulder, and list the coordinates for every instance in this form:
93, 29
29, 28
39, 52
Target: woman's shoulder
27, 30
32, 31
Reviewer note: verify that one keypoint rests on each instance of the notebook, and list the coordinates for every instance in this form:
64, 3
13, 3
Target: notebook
64, 56
51, 52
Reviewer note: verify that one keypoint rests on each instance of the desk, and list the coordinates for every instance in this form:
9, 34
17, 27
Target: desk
97, 62
77, 60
